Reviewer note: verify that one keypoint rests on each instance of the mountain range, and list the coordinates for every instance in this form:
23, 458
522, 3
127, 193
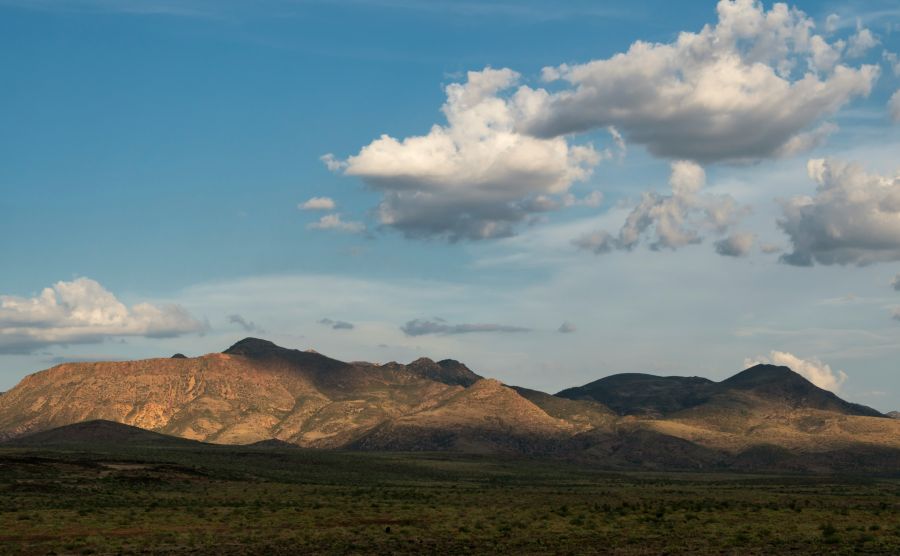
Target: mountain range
765, 417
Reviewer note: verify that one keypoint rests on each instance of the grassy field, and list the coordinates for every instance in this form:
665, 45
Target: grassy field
228, 500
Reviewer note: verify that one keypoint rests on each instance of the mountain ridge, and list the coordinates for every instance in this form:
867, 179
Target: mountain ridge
646, 394
258, 392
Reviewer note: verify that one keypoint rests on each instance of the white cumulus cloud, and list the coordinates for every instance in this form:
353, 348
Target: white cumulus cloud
82, 311
861, 42
811, 369
756, 84
742, 89
476, 176
853, 218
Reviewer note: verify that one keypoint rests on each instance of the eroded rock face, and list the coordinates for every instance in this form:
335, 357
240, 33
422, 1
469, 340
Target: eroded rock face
448, 371
253, 391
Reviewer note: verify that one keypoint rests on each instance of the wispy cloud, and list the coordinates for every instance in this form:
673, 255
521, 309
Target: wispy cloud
248, 326
419, 327
335, 222
318, 203
337, 324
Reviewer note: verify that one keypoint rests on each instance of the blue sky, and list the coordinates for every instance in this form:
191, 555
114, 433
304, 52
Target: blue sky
157, 153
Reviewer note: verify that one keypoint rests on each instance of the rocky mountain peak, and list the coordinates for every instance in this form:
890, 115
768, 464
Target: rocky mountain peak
448, 371
763, 374
253, 347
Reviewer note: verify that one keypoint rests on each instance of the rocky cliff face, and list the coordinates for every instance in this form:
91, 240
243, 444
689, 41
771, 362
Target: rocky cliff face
253, 391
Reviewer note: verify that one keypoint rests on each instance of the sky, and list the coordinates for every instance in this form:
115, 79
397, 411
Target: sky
550, 192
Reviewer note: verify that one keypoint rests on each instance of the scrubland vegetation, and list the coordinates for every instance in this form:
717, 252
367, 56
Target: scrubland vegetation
281, 500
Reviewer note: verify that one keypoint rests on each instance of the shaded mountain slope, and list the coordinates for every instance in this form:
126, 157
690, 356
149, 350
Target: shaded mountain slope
782, 385
584, 414
658, 396
643, 394
634, 446
765, 404
99, 433
799, 430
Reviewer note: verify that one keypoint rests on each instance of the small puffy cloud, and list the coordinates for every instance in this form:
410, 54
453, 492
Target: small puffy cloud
566, 328
735, 245
246, 325
334, 222
894, 107
895, 283
861, 42
832, 22
854, 217
824, 55
475, 177
812, 369
318, 203
332, 163
420, 327
80, 312
337, 324
742, 89
669, 221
